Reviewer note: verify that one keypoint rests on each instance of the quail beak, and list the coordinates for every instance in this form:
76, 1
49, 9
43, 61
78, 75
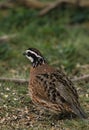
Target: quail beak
24, 53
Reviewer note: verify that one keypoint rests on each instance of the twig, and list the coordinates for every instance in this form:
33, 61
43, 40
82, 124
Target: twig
15, 80
7, 37
77, 79
26, 81
54, 5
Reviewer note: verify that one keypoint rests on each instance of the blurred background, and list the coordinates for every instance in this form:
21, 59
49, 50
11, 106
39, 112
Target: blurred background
61, 34
58, 28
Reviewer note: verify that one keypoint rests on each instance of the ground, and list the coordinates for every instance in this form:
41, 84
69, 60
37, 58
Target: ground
18, 112
63, 38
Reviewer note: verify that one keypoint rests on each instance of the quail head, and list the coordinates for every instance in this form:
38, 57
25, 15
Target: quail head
50, 87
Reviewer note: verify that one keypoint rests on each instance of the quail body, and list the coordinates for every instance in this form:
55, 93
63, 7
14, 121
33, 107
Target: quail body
50, 87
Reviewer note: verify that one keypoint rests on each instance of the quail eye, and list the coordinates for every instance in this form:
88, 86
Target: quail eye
28, 53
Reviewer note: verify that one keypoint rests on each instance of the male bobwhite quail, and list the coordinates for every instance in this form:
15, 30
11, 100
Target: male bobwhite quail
50, 87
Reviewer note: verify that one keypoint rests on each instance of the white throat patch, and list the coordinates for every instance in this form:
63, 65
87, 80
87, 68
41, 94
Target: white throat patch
30, 58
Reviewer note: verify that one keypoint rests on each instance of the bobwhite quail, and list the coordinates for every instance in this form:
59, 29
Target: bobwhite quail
50, 87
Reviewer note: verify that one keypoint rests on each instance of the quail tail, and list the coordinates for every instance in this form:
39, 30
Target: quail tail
79, 111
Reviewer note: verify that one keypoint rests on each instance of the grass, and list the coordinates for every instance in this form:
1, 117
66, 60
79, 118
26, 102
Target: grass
63, 41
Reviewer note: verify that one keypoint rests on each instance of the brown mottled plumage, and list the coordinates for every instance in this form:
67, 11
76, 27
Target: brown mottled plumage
50, 87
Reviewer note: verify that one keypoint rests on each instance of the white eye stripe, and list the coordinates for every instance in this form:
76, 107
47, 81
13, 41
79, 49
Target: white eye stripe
33, 53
